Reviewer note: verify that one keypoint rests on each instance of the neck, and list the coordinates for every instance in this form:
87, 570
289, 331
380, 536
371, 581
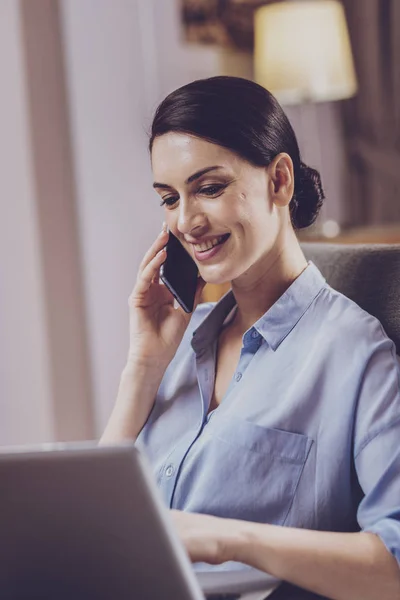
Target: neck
256, 293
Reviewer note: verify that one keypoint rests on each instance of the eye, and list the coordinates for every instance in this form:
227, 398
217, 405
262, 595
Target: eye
169, 200
207, 190
212, 190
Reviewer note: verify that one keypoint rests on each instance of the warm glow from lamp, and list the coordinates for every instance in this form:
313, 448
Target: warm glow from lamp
303, 52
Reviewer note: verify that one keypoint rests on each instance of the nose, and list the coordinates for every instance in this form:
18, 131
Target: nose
190, 216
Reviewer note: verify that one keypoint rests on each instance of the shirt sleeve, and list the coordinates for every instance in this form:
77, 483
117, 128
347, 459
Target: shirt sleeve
377, 447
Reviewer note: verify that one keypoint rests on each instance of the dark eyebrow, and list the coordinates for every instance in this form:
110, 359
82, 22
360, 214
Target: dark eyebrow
197, 175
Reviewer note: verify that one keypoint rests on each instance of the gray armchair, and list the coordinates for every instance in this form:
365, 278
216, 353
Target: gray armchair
369, 274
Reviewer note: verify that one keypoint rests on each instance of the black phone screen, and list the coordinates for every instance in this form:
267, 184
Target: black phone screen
179, 273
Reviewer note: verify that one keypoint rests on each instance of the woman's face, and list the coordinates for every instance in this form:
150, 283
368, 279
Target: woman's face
219, 206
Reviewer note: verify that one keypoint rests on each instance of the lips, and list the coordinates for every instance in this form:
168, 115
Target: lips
210, 243
211, 247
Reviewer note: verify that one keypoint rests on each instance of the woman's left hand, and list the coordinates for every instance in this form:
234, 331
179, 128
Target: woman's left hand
206, 539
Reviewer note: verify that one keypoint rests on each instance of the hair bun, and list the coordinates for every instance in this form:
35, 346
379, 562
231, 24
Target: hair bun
308, 197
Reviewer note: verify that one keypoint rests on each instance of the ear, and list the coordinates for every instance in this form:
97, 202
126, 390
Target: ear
282, 179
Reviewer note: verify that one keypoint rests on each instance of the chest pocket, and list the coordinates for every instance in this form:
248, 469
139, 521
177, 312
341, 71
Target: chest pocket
241, 470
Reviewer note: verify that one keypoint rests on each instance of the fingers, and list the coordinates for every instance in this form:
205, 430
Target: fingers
157, 245
150, 273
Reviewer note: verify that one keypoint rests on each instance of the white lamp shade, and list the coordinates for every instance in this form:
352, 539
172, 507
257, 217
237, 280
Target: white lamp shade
303, 52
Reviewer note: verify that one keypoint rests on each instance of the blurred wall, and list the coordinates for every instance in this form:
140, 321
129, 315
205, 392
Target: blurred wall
373, 117
24, 370
44, 376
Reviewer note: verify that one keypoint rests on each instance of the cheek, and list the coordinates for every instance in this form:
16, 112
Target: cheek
234, 209
171, 219
249, 209
254, 217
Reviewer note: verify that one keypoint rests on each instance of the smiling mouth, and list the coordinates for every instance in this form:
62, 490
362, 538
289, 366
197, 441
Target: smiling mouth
205, 246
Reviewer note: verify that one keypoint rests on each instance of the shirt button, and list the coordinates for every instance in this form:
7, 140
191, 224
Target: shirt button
254, 334
238, 376
170, 471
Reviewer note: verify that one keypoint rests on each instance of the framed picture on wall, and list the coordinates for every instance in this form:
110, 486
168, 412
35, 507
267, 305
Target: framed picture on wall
226, 23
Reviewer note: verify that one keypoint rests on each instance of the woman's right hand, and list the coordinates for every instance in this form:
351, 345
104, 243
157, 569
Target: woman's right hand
156, 330
156, 326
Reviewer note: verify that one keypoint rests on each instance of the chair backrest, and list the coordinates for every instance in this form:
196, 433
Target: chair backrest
369, 274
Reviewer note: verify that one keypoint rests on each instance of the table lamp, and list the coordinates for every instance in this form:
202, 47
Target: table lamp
302, 51
303, 55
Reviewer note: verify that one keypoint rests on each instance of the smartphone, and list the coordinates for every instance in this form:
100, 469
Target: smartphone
179, 273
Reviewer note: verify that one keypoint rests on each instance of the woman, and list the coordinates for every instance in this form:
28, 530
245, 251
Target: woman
280, 404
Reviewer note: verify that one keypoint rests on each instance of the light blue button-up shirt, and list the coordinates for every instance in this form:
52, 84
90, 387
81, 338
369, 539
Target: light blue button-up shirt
308, 433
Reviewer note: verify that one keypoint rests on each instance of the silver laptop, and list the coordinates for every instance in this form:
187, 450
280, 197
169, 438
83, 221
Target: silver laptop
85, 521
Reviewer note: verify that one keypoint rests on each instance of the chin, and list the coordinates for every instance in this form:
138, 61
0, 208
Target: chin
216, 278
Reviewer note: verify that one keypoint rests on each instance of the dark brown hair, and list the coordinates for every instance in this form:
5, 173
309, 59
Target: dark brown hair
244, 117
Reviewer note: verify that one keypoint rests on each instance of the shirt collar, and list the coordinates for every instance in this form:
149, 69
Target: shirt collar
277, 322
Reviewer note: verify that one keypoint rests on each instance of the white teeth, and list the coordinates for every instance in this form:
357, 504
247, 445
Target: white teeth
207, 245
